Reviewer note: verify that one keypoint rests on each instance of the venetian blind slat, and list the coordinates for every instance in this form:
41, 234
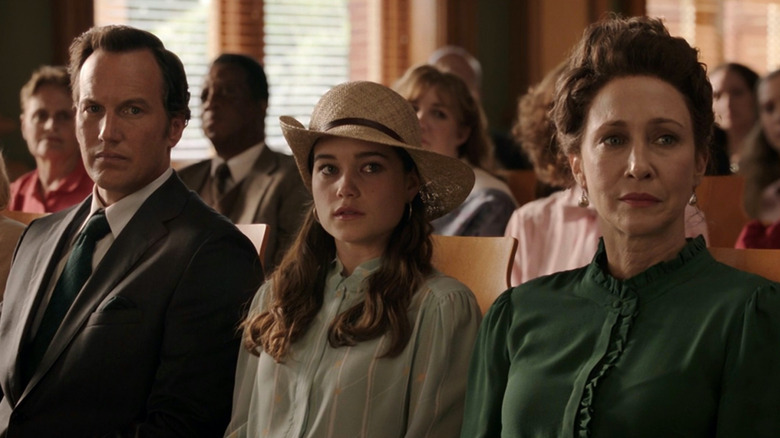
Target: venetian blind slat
181, 25
306, 53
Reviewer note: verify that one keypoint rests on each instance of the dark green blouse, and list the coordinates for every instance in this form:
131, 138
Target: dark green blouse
688, 348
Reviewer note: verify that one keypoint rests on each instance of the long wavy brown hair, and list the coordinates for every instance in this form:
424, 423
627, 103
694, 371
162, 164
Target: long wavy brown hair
759, 163
297, 288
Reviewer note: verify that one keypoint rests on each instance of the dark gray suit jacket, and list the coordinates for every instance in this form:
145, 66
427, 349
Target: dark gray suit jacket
149, 346
273, 193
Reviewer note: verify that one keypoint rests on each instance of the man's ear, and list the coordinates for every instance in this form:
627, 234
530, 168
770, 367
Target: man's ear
175, 130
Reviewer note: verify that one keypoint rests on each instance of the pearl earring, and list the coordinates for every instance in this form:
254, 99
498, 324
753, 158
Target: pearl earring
584, 201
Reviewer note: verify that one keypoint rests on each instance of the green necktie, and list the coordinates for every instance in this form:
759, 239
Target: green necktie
77, 270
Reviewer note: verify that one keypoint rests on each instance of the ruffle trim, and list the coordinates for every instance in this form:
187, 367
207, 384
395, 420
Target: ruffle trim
598, 269
614, 351
627, 310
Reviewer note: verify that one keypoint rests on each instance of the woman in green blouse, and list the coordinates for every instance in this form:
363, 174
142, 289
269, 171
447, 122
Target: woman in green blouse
355, 334
654, 338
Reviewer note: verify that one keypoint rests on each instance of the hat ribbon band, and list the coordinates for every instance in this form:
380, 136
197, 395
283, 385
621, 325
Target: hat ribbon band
362, 122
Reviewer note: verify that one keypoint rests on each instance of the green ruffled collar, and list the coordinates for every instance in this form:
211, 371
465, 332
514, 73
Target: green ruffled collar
694, 251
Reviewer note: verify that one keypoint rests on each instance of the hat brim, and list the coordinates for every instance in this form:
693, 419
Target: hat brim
446, 181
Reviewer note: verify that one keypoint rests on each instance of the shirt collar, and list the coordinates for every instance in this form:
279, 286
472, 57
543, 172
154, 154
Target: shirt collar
353, 282
119, 213
241, 164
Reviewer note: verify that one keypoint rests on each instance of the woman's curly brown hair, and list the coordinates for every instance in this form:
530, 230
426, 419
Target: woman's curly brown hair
535, 132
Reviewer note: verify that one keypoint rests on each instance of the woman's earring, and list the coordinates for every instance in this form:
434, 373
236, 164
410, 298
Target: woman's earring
693, 200
409, 212
584, 201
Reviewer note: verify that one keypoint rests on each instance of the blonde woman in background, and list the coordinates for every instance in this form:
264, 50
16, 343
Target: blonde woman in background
453, 125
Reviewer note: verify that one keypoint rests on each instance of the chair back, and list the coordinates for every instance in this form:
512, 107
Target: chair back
720, 199
24, 217
522, 183
763, 262
483, 264
258, 234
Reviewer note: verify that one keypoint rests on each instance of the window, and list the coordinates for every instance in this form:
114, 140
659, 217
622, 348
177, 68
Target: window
306, 53
182, 26
744, 31
305, 43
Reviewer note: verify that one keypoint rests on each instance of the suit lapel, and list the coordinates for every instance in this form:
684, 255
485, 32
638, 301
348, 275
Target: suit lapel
25, 310
126, 251
254, 186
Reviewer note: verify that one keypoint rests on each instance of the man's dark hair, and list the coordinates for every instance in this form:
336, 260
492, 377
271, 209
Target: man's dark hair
119, 38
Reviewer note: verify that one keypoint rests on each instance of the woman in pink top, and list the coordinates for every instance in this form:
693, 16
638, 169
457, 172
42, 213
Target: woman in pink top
559, 232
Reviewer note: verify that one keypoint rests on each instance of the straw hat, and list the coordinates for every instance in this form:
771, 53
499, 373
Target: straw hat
372, 112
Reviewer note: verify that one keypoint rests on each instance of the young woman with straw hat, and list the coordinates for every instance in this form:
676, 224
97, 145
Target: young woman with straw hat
356, 334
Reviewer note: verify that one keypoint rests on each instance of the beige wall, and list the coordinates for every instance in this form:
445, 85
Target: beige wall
561, 25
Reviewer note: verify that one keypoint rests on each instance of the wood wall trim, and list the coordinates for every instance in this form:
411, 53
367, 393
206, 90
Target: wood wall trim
69, 19
238, 28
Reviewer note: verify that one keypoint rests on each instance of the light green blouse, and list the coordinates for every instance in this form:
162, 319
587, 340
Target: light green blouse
321, 391
688, 348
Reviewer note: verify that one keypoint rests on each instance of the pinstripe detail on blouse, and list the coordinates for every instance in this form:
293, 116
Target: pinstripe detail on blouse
321, 391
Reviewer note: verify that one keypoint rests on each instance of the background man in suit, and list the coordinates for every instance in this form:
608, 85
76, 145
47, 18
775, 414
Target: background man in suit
124, 324
259, 185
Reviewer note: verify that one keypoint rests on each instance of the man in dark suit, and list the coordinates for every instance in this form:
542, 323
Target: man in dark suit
120, 313
259, 185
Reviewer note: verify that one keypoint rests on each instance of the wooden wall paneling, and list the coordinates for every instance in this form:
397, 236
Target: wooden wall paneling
436, 23
238, 28
708, 36
427, 29
627, 8
461, 25
397, 32
70, 18
524, 47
